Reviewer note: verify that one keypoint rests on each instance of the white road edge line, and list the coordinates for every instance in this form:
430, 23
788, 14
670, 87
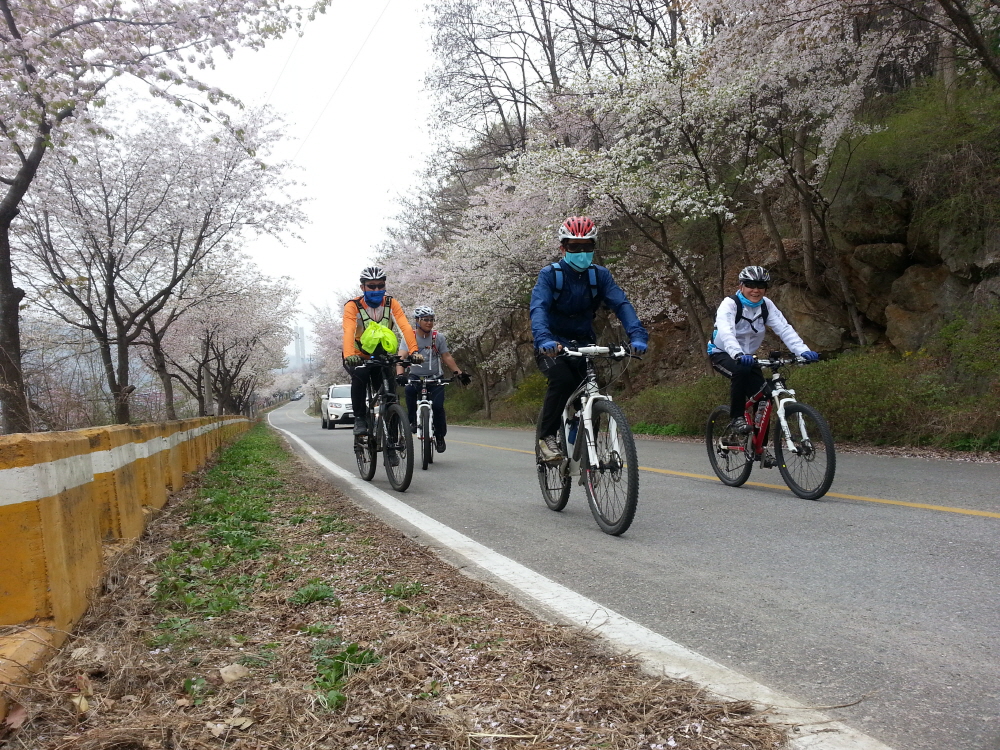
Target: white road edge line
660, 655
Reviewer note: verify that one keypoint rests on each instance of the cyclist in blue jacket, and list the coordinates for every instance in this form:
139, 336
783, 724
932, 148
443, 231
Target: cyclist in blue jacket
564, 302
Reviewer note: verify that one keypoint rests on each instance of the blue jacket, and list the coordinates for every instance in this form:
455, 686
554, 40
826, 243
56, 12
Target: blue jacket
571, 317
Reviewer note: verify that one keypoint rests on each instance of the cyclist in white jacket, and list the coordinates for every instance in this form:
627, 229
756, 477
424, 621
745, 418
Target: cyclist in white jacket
739, 331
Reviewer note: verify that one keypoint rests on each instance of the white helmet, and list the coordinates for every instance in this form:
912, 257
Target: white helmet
372, 273
755, 273
423, 312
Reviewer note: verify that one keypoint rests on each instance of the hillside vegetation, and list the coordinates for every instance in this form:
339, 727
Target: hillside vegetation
852, 149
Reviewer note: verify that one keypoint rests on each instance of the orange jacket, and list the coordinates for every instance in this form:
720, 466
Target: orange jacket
352, 331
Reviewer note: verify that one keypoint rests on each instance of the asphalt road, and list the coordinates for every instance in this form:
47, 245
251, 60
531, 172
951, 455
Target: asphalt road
891, 606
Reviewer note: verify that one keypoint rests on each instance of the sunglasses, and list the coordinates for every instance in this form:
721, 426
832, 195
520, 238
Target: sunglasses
426, 320
755, 285
579, 246
375, 287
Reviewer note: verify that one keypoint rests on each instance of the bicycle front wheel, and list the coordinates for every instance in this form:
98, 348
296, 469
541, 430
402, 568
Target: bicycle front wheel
613, 483
397, 450
365, 452
809, 467
731, 455
426, 448
553, 478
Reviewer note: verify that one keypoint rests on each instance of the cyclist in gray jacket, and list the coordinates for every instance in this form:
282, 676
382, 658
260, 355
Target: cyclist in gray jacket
739, 331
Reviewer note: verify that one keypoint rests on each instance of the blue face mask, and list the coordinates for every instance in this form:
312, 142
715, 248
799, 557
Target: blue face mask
747, 302
374, 299
580, 261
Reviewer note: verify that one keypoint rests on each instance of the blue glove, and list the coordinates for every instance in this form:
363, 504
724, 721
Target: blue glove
549, 347
746, 360
639, 347
810, 356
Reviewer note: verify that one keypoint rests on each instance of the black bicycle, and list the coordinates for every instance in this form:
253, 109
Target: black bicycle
389, 429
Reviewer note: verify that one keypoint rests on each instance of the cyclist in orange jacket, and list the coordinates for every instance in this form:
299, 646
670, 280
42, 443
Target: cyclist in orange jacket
373, 305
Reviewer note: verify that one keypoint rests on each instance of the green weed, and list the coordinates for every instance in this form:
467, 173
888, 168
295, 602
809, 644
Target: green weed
334, 669
314, 591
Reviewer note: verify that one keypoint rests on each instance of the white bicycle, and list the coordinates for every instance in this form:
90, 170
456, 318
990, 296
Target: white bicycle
425, 421
598, 447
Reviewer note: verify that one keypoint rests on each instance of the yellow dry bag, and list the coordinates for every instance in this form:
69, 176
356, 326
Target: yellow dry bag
375, 335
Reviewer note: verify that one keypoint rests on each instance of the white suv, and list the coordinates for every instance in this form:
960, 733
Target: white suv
335, 406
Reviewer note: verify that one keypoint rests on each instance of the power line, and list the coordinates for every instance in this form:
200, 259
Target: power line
341, 81
287, 60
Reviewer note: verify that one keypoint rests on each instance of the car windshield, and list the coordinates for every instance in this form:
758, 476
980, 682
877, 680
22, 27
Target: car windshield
341, 391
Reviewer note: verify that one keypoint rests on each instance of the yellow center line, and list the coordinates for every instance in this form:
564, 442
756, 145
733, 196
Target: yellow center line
689, 475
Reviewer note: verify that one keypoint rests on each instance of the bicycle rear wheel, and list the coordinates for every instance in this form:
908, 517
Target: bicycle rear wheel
613, 484
807, 470
554, 478
426, 447
731, 456
397, 449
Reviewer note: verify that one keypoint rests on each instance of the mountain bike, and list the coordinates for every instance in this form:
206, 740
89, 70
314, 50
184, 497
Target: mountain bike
802, 441
389, 429
425, 422
597, 446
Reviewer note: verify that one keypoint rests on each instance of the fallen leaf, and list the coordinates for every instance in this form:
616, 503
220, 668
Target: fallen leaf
16, 716
217, 730
84, 685
355, 719
233, 672
81, 703
240, 722
183, 701
80, 653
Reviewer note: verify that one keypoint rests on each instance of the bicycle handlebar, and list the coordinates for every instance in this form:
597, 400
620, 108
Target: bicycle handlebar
782, 361
616, 352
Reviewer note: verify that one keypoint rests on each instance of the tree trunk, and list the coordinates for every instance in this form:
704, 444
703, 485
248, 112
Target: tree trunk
772, 228
16, 417
845, 287
948, 70
805, 213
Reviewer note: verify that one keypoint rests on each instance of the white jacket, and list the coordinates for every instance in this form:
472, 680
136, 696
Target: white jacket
746, 336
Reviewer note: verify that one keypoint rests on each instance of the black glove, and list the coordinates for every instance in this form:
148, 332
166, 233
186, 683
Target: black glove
417, 358
464, 378
353, 360
402, 380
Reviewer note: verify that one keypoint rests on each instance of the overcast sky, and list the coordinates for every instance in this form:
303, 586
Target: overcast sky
365, 148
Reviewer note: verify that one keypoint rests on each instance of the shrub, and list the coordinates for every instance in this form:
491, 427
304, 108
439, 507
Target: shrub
683, 409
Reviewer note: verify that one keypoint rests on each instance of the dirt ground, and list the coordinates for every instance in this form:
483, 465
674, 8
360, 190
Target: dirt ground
336, 631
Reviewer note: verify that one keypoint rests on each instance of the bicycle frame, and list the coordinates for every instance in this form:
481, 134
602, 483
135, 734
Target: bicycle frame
424, 402
589, 393
775, 396
377, 399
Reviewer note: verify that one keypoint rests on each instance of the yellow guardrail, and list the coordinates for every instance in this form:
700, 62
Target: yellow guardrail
62, 495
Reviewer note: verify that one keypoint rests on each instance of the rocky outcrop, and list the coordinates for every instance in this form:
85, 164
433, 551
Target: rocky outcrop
921, 299
878, 211
821, 323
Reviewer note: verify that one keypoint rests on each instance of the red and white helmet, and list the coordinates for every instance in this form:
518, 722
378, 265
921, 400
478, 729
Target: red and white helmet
578, 228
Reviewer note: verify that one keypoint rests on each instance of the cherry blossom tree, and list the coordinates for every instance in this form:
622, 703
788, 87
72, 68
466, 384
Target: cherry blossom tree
126, 229
228, 351
58, 61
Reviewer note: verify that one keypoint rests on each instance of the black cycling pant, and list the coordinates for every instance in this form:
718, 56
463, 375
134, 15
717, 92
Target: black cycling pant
744, 381
360, 378
437, 406
565, 375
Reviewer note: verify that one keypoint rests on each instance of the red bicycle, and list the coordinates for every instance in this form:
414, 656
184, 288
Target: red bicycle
802, 442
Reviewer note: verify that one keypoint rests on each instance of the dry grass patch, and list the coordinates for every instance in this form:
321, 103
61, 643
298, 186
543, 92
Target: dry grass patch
264, 610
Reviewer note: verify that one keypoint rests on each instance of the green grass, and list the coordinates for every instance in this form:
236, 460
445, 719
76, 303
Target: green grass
228, 519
